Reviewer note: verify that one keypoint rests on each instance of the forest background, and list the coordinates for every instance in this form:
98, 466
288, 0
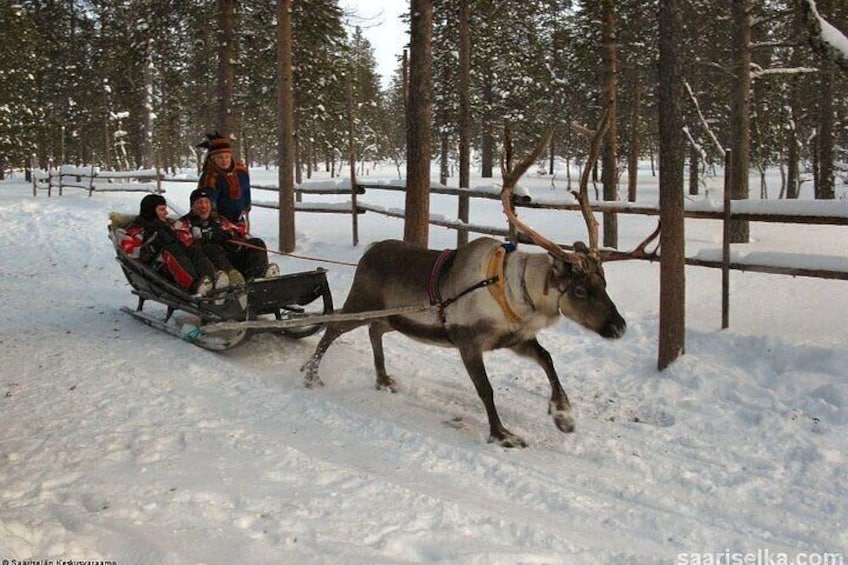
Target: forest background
134, 83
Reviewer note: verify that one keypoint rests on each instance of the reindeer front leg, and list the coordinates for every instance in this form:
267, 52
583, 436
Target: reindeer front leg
473, 360
559, 406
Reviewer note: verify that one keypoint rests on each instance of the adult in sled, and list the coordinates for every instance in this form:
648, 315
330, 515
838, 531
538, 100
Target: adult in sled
226, 243
151, 239
227, 180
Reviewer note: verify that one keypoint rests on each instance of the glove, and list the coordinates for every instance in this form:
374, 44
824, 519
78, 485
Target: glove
149, 249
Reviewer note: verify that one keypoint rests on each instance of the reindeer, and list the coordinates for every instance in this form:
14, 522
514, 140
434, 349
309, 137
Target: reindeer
496, 298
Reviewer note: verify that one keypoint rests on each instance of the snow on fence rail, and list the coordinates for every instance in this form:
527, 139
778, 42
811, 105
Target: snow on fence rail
94, 180
819, 212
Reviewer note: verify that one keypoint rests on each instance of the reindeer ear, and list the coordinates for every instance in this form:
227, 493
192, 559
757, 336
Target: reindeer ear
562, 269
580, 247
562, 274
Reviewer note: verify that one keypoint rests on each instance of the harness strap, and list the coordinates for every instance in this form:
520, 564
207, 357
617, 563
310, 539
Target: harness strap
436, 273
495, 270
440, 266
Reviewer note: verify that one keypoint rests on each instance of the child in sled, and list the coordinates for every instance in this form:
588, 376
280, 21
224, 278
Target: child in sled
151, 239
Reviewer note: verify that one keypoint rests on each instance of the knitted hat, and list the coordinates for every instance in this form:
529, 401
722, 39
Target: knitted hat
216, 143
200, 193
149, 203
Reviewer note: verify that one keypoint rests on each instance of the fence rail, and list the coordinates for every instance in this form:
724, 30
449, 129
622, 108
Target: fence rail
95, 180
832, 212
818, 213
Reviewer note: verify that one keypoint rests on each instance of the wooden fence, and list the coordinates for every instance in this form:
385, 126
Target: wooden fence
94, 180
833, 212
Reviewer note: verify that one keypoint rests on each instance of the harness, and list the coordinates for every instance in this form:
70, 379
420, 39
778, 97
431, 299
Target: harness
495, 270
495, 280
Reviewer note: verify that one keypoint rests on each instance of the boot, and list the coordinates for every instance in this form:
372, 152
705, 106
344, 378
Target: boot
236, 278
221, 280
204, 287
272, 270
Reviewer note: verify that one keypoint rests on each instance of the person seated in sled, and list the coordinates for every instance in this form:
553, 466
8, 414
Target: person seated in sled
226, 243
152, 239
227, 180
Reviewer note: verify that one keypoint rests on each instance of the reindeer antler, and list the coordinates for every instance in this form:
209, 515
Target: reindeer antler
510, 179
583, 198
597, 139
639, 252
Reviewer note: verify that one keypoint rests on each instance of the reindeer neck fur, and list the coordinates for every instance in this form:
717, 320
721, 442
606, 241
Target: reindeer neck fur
528, 287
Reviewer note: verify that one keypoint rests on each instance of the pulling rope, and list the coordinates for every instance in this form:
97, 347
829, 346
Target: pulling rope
278, 252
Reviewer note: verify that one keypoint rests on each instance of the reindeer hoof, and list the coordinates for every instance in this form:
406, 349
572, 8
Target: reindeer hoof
386, 383
508, 439
562, 417
312, 381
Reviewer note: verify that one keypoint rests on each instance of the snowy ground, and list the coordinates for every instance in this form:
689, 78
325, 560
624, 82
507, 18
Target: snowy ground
121, 443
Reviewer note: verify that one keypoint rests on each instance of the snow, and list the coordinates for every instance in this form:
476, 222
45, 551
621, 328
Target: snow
830, 34
122, 443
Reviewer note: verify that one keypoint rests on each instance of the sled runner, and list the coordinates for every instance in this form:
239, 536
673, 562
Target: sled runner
297, 300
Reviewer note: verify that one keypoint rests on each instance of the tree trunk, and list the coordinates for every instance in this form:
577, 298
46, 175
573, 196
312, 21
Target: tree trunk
694, 162
825, 188
464, 116
487, 144
298, 154
633, 151
147, 129
416, 225
227, 54
793, 147
672, 330
610, 152
444, 136
285, 130
793, 176
740, 113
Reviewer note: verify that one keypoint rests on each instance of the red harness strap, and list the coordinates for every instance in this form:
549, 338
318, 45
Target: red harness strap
436, 272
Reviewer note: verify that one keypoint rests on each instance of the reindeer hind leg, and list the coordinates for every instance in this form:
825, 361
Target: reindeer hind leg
375, 333
311, 379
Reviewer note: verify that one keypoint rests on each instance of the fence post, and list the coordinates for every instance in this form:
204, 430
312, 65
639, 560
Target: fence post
355, 211
725, 244
352, 162
91, 181
50, 179
34, 174
158, 175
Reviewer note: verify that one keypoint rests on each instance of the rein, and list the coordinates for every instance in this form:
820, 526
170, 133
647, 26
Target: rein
305, 257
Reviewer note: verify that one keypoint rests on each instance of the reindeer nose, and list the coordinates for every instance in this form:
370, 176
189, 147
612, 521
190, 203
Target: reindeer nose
615, 327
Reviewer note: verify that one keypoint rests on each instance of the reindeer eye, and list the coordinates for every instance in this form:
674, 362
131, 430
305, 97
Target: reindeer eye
580, 292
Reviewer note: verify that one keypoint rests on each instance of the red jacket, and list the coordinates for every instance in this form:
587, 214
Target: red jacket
144, 240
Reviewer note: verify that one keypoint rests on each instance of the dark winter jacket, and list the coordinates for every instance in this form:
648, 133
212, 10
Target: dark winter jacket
215, 229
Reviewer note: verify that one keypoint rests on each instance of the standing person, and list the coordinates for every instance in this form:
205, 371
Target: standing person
227, 180
151, 239
227, 244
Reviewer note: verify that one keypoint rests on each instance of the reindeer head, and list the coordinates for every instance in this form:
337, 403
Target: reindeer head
576, 275
582, 291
